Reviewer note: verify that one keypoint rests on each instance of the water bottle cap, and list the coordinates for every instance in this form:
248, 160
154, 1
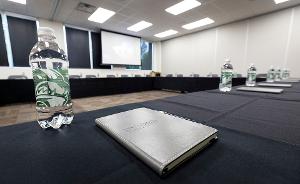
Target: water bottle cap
227, 60
46, 31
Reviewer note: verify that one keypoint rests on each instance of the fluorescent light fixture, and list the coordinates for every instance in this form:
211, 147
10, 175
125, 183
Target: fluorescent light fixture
18, 1
280, 1
101, 15
183, 6
139, 26
166, 33
198, 23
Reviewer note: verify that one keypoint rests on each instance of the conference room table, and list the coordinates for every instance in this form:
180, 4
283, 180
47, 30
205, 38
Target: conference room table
22, 90
258, 142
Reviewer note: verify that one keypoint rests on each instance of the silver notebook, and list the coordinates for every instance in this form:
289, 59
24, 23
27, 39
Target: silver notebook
291, 80
162, 141
262, 90
265, 84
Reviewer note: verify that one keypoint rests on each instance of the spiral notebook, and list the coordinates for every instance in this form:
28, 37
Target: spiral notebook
161, 140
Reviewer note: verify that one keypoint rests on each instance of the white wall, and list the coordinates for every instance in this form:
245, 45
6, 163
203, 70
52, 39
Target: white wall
156, 56
272, 39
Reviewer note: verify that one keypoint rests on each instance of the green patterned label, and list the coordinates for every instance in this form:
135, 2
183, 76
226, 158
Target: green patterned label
226, 77
52, 87
251, 76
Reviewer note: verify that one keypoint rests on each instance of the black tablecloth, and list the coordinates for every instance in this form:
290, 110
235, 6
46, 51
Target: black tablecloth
258, 143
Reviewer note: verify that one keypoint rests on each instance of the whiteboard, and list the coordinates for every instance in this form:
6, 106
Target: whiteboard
120, 49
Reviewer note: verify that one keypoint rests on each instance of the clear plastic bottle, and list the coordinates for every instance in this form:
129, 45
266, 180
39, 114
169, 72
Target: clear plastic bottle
251, 75
226, 77
271, 74
288, 74
285, 74
278, 75
50, 74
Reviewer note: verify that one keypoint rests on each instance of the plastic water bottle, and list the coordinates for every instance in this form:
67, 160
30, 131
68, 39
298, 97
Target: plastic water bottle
271, 74
251, 76
51, 79
226, 77
278, 75
285, 74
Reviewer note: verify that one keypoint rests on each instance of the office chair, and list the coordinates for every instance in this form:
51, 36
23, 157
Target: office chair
169, 75
195, 75
17, 77
261, 75
110, 76
239, 75
179, 75
74, 76
90, 76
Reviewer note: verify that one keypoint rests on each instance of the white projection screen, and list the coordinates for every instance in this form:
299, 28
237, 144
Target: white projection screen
120, 49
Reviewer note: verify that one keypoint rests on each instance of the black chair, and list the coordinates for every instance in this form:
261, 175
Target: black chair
110, 76
74, 77
239, 75
214, 75
179, 75
137, 75
124, 75
17, 77
261, 75
90, 76
195, 75
169, 75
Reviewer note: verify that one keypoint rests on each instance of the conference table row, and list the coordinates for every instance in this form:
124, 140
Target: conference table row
258, 142
18, 91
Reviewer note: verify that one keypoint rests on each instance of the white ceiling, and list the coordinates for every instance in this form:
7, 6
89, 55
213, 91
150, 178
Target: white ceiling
132, 11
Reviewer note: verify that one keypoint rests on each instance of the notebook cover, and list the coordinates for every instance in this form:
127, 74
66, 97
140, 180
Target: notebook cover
157, 138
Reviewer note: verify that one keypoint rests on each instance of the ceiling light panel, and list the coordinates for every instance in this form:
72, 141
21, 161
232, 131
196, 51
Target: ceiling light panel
183, 6
101, 15
280, 1
198, 23
139, 26
166, 33
18, 1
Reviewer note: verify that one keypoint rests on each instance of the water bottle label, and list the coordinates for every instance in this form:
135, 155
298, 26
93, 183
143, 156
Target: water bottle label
251, 76
226, 77
52, 87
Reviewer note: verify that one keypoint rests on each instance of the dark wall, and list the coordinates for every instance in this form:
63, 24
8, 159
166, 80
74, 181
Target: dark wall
3, 54
78, 48
96, 43
23, 36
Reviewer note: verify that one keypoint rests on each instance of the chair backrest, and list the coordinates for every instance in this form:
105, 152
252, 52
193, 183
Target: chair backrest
90, 76
169, 75
214, 75
179, 75
137, 75
74, 76
110, 76
239, 75
261, 75
195, 75
17, 77
124, 75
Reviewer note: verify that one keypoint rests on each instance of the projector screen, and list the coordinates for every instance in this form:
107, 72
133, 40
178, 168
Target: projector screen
120, 49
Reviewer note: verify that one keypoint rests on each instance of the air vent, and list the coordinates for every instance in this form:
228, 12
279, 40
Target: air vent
84, 7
